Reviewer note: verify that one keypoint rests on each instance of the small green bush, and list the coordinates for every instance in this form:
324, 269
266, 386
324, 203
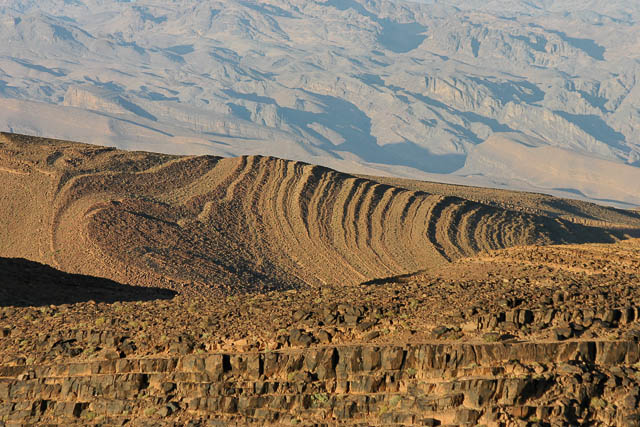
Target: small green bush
395, 400
319, 399
597, 403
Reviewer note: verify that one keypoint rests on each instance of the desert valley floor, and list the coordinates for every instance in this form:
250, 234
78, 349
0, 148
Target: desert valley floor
147, 289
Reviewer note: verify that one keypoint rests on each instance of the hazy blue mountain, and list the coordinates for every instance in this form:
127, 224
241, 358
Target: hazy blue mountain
537, 95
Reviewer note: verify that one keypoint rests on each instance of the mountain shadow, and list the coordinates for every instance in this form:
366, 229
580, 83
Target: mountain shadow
27, 283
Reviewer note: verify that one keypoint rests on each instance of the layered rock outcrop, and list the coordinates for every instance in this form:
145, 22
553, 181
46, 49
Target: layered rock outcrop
519, 383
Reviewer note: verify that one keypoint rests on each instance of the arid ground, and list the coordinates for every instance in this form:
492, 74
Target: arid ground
113, 257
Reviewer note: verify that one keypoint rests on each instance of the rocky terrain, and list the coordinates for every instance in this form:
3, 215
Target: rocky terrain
148, 289
538, 96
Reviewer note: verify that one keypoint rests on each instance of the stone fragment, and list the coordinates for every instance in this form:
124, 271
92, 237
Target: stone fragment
272, 363
392, 358
558, 297
630, 400
300, 315
110, 354
324, 337
365, 326
610, 316
525, 317
214, 365
633, 335
168, 387
546, 300
305, 340
439, 331
282, 340
351, 319
229, 405
466, 416
193, 363
326, 368
479, 395
627, 315
255, 366
182, 344
491, 337
370, 358
299, 338
294, 335
372, 335
548, 316
562, 334
127, 346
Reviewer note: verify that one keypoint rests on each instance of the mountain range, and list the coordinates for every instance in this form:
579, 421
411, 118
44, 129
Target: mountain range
530, 95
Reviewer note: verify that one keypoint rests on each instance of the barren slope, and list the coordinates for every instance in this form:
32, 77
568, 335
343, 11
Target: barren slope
237, 224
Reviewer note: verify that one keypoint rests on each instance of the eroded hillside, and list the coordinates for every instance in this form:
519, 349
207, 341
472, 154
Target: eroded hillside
239, 224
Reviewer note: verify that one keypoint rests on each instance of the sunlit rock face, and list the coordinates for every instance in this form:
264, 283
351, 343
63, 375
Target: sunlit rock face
540, 97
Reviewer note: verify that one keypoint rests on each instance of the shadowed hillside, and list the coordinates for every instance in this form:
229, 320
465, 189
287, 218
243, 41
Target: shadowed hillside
28, 283
237, 224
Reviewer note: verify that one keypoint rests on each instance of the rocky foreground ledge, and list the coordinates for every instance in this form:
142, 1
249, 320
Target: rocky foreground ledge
518, 383
527, 337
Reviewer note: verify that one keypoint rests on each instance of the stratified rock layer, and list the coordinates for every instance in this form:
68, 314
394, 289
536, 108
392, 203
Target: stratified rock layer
554, 383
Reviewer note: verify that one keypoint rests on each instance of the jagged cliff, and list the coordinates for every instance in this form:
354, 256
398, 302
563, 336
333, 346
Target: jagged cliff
587, 383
